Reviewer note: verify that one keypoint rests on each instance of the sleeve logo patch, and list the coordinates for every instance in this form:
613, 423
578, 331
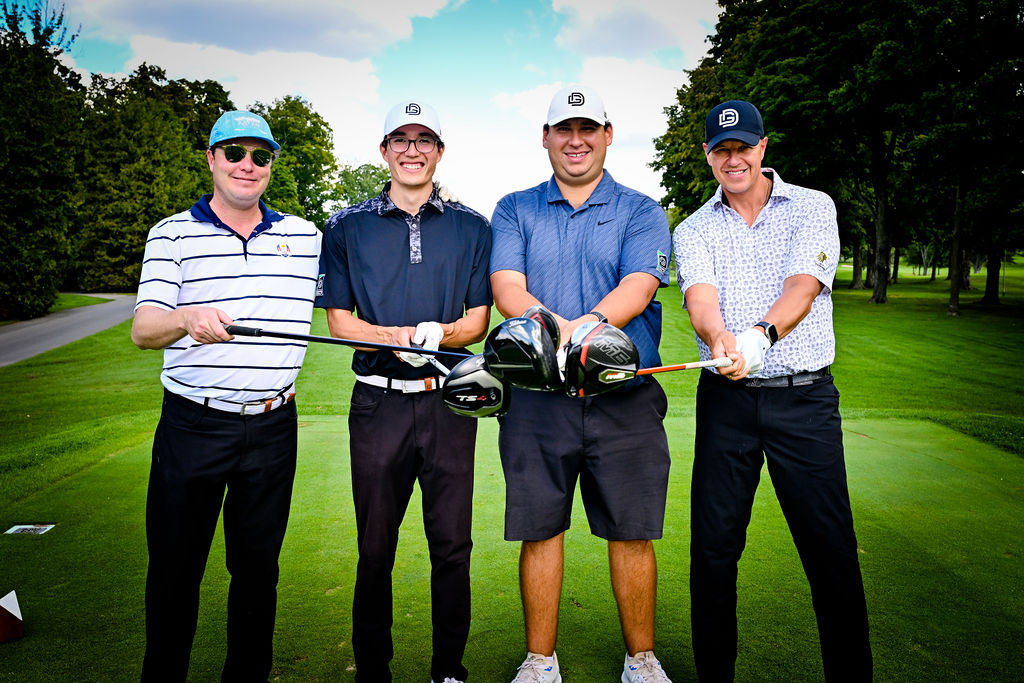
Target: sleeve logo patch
662, 262
822, 258
320, 285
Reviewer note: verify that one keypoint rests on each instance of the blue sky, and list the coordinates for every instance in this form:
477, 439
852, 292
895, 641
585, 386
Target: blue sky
489, 67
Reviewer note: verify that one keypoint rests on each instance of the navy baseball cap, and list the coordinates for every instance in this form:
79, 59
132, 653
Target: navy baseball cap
733, 120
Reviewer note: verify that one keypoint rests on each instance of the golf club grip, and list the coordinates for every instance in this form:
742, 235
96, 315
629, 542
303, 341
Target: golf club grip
242, 331
260, 332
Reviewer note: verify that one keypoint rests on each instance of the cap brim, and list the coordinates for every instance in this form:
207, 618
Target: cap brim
273, 145
743, 136
600, 122
417, 123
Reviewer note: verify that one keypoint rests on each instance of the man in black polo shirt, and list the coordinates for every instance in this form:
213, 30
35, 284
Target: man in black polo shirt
406, 266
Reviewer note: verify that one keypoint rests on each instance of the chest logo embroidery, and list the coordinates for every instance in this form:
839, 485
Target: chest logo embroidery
284, 250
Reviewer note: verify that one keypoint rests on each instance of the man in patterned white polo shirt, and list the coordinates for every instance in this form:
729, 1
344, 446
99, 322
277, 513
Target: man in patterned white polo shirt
228, 419
755, 265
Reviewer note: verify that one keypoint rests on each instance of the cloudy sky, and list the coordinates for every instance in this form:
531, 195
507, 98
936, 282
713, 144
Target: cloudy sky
489, 67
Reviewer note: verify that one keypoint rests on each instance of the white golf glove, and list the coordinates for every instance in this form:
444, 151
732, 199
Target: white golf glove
752, 344
428, 335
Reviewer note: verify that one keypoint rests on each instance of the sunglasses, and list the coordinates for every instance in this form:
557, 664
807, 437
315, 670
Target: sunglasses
235, 153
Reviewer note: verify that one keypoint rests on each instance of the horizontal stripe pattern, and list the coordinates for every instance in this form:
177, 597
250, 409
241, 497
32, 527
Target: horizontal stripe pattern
270, 279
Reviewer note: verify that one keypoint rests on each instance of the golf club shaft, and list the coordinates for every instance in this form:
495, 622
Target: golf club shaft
441, 367
713, 363
260, 332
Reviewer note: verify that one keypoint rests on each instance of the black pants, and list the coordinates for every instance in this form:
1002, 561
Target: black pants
198, 452
397, 439
798, 430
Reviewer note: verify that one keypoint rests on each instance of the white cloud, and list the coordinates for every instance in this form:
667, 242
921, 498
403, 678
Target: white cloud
342, 28
635, 28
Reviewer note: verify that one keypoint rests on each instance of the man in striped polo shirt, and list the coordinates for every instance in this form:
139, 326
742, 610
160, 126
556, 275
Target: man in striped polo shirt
228, 419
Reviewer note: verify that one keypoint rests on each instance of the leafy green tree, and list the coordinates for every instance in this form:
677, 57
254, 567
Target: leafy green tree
307, 152
879, 103
39, 138
357, 184
143, 160
282, 193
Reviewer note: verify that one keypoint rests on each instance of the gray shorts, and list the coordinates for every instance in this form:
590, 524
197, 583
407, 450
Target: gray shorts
614, 443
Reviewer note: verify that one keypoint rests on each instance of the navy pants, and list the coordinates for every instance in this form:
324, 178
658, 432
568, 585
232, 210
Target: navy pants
198, 453
396, 440
798, 430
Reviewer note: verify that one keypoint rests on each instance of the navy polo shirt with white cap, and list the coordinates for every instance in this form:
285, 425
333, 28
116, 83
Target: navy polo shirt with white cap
395, 269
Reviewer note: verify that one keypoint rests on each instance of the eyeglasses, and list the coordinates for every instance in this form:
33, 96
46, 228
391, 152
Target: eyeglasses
424, 145
235, 153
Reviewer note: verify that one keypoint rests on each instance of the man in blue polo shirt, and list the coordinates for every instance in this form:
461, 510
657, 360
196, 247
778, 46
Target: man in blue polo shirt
408, 266
588, 249
228, 419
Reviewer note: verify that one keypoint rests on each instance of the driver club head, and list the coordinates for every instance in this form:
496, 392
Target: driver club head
599, 358
470, 390
547, 320
520, 352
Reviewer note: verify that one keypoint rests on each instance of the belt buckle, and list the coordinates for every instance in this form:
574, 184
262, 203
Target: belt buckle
426, 384
264, 406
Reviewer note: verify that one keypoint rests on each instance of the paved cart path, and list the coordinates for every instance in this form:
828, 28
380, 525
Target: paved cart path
28, 338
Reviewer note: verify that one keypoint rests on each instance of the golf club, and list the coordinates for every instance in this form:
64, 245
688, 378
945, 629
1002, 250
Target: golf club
598, 358
470, 390
260, 332
601, 358
547, 321
713, 363
521, 352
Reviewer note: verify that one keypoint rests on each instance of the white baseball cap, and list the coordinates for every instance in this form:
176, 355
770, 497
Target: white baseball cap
577, 101
412, 111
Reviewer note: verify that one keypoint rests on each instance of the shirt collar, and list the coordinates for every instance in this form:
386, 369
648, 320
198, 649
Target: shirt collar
202, 211
602, 194
384, 205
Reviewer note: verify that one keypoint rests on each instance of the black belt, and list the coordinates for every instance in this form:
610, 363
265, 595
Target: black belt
796, 380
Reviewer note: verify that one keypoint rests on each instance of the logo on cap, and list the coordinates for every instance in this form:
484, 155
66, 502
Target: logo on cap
412, 109
575, 99
728, 117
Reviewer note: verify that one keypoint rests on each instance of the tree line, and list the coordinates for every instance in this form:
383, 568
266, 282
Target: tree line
87, 169
908, 113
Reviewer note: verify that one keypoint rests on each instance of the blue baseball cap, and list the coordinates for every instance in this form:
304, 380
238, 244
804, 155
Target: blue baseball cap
733, 120
242, 124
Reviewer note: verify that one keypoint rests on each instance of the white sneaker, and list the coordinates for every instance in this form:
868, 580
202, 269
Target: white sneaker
537, 669
643, 668
449, 680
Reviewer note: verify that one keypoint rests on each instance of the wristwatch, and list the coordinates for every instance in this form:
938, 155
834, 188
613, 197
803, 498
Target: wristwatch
769, 331
600, 317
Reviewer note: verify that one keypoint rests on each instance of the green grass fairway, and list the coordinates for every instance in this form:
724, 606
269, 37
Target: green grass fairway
934, 435
939, 531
